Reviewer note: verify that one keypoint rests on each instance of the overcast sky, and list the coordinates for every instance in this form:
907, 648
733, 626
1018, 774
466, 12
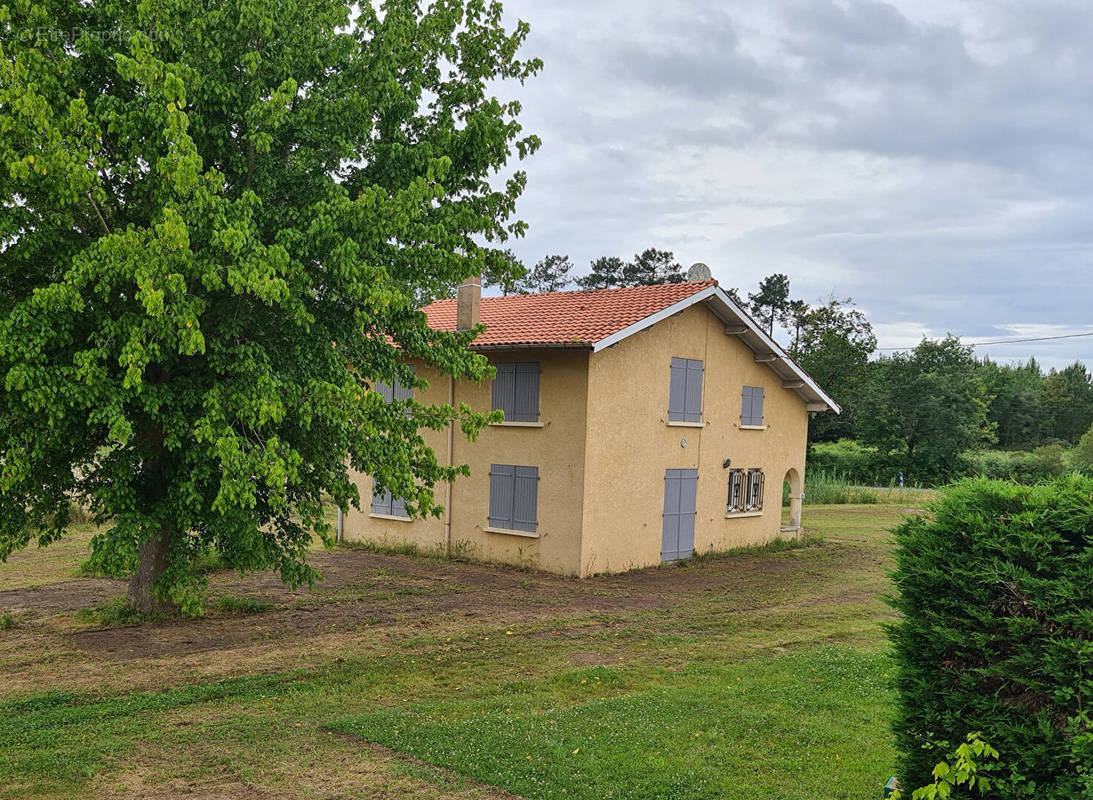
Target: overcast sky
932, 159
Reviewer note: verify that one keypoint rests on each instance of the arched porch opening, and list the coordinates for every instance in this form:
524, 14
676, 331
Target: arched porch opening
793, 487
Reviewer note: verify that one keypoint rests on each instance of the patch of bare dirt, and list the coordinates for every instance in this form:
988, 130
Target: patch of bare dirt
365, 599
57, 598
583, 659
343, 766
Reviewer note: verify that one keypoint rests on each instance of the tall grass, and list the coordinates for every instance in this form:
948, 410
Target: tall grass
823, 488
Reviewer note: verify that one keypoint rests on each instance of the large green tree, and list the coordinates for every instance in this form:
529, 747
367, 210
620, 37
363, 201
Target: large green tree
218, 220
1068, 401
550, 274
605, 272
833, 344
1017, 406
771, 302
925, 408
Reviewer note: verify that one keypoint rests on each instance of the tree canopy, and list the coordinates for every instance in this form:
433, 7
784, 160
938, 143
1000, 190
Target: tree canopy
218, 224
550, 274
928, 405
649, 267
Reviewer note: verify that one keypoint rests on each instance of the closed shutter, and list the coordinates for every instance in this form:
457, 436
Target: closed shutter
685, 390
669, 536
525, 405
525, 498
502, 485
385, 392
678, 525
401, 392
504, 389
693, 403
751, 406
677, 390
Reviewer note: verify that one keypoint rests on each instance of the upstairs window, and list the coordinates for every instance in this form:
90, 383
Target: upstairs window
514, 497
736, 491
685, 391
383, 502
516, 391
751, 408
754, 499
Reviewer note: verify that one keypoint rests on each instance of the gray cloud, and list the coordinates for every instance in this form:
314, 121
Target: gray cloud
930, 158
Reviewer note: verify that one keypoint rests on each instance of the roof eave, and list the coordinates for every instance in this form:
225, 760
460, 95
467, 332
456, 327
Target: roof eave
532, 346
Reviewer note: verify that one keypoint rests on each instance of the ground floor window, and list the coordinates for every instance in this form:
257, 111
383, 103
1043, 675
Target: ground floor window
754, 500
383, 502
514, 497
736, 491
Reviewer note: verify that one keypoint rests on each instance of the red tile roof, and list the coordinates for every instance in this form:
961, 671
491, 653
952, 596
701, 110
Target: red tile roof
573, 319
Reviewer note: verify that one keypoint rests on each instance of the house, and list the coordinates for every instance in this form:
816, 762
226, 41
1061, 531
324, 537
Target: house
642, 425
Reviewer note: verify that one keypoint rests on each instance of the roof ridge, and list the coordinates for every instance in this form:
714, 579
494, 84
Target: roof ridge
585, 292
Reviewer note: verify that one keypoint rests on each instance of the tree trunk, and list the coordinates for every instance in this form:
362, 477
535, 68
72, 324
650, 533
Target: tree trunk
151, 564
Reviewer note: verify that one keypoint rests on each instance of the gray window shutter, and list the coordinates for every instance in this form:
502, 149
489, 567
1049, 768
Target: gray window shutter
504, 388
692, 411
501, 495
525, 499
381, 499
384, 390
398, 507
401, 392
751, 408
525, 405
677, 391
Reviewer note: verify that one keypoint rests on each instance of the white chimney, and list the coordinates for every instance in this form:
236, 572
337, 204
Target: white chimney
468, 304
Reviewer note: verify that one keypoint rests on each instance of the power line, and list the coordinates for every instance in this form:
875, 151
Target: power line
1009, 341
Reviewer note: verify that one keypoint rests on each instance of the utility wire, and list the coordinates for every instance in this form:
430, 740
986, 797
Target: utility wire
1008, 341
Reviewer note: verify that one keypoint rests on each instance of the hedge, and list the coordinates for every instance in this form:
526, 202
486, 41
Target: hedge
995, 586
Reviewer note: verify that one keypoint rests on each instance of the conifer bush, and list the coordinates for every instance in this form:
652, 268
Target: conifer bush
995, 585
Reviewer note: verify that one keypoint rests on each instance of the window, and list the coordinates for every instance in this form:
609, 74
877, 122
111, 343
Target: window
516, 391
383, 502
751, 408
514, 497
754, 500
736, 491
397, 392
685, 391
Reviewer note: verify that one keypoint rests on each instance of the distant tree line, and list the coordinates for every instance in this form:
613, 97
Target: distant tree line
554, 273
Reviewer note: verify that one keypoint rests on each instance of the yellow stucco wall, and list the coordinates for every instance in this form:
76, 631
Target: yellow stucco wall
631, 444
557, 448
602, 451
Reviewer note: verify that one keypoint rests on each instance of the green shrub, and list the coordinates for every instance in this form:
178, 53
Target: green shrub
853, 461
1081, 457
971, 763
995, 588
1043, 463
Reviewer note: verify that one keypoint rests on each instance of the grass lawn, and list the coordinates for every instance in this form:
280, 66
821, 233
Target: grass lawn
751, 675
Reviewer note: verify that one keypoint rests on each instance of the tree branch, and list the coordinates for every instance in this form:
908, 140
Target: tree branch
95, 206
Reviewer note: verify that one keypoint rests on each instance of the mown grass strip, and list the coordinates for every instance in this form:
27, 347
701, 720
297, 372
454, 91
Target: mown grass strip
806, 726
